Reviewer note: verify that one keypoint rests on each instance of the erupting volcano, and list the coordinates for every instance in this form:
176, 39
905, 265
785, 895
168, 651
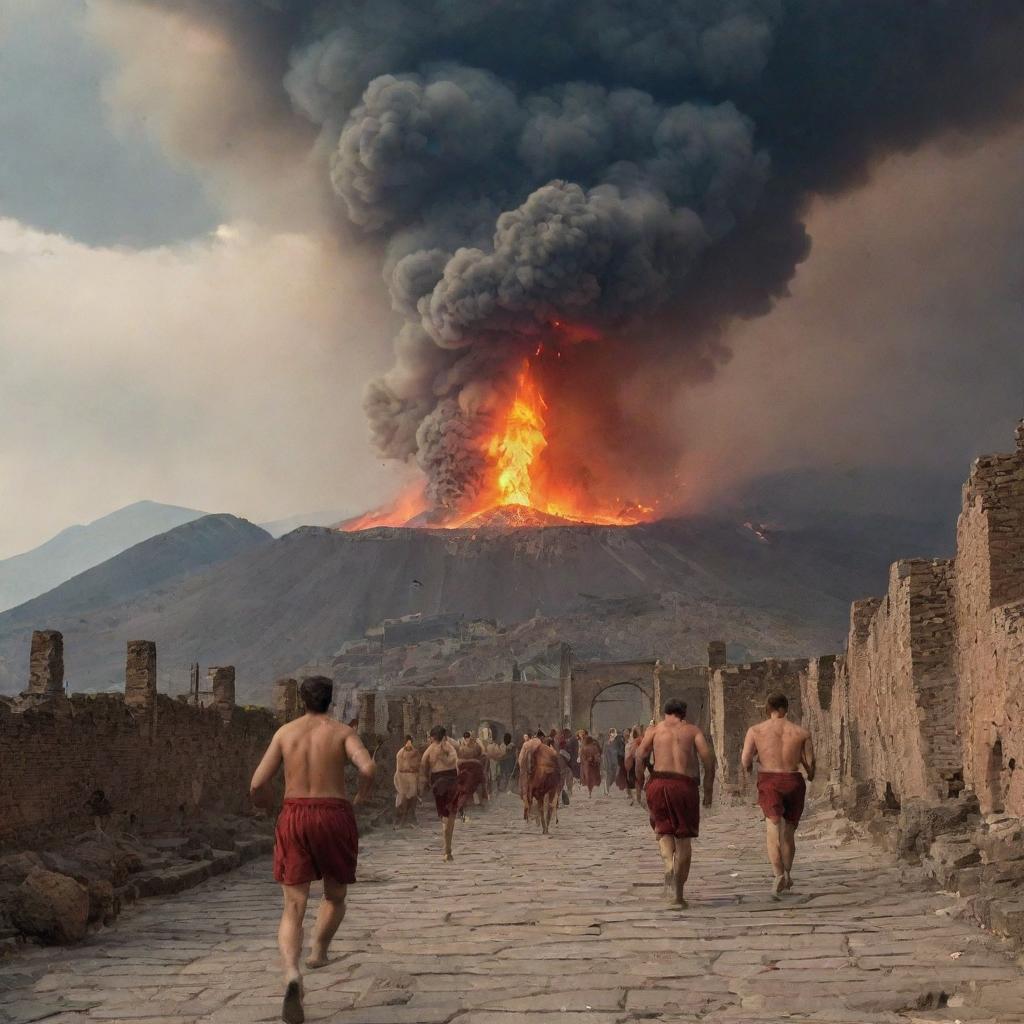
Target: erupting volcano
520, 489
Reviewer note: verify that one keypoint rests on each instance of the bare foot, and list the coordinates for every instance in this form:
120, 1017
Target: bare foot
447, 857
291, 1008
789, 881
778, 886
317, 960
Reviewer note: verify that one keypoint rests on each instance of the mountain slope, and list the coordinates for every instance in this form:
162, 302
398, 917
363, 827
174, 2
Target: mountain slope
78, 548
95, 601
292, 601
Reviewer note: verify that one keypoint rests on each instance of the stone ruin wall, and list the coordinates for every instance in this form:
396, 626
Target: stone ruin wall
737, 698
158, 760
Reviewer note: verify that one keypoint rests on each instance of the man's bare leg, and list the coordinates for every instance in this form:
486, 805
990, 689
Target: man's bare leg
681, 869
787, 846
447, 831
328, 918
667, 849
289, 941
773, 829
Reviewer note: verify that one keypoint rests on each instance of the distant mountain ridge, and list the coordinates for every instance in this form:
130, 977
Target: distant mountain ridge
277, 605
81, 547
94, 602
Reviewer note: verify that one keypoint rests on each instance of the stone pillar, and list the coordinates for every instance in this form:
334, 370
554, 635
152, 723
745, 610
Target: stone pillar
396, 718
367, 716
46, 663
421, 717
436, 715
716, 655
1019, 435
409, 719
565, 685
221, 680
656, 710
286, 700
140, 676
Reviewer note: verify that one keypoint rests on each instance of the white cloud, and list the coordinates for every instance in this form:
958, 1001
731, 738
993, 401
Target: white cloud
225, 374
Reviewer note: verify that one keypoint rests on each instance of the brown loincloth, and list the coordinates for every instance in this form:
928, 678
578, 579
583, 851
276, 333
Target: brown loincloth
445, 786
315, 837
545, 781
590, 771
673, 803
781, 795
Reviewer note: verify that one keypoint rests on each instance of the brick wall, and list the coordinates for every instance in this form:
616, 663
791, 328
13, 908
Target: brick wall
56, 753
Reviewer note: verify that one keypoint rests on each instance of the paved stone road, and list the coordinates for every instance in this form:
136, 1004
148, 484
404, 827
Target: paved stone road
567, 930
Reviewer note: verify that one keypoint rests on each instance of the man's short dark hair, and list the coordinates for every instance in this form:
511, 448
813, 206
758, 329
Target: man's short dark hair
541, 734
777, 702
507, 739
676, 707
317, 692
465, 736
408, 738
438, 733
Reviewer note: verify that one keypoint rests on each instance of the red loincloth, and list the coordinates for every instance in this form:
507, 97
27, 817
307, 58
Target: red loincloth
781, 795
445, 786
673, 802
471, 778
545, 781
315, 837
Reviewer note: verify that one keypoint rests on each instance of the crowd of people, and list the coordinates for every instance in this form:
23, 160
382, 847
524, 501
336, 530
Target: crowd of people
667, 767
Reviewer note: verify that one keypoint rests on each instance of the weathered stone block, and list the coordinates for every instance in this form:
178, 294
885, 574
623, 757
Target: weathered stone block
46, 663
286, 700
140, 676
222, 686
53, 908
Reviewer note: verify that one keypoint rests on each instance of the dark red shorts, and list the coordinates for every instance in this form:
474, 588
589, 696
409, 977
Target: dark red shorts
445, 786
781, 795
673, 803
471, 779
316, 837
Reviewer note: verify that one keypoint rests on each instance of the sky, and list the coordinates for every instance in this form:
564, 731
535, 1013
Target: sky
181, 321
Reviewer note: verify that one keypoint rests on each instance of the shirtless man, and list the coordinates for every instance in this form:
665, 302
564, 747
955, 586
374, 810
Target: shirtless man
780, 747
542, 767
316, 833
673, 800
407, 771
530, 743
471, 771
439, 769
590, 762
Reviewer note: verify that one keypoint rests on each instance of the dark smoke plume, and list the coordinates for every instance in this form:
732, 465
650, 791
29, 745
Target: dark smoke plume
636, 169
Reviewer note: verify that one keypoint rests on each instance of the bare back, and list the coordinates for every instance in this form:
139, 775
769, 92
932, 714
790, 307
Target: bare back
780, 745
545, 758
314, 751
439, 757
675, 745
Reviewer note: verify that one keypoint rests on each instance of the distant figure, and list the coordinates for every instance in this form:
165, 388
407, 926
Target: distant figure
472, 782
673, 798
780, 747
609, 760
101, 809
316, 833
542, 766
590, 763
630, 763
522, 763
439, 769
407, 772
507, 763
573, 742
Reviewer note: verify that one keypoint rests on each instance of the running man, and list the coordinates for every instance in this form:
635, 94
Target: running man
316, 833
407, 771
780, 747
439, 768
673, 793
541, 766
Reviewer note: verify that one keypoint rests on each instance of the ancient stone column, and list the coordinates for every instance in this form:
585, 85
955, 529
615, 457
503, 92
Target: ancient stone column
396, 721
436, 714
286, 700
221, 680
1019, 435
367, 715
140, 676
409, 719
421, 719
716, 655
46, 663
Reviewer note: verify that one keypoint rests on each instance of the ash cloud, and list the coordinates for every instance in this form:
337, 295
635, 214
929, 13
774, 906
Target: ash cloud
641, 170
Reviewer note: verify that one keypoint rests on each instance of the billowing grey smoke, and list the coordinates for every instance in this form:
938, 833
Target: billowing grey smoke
638, 168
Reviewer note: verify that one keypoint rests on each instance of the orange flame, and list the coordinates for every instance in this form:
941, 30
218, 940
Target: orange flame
515, 451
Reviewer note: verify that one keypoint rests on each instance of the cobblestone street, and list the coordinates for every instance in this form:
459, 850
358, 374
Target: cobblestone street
569, 929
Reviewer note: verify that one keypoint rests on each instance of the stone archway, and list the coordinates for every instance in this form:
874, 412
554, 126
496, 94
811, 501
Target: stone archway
619, 705
582, 681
